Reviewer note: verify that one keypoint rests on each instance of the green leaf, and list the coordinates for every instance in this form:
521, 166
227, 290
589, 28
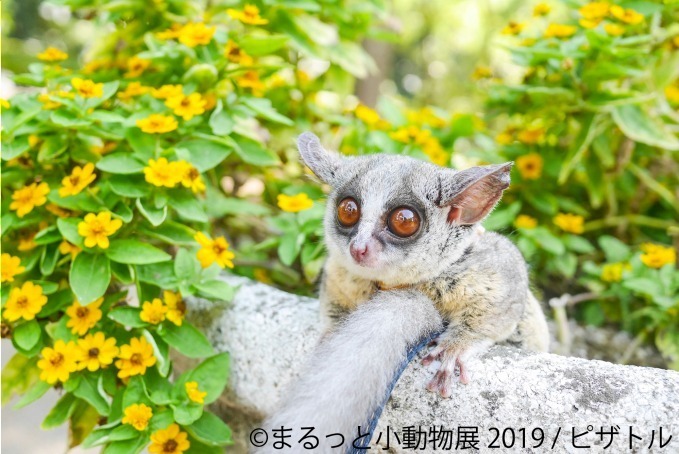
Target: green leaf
212, 376
290, 246
186, 339
135, 252
104, 116
154, 215
60, 412
133, 186
188, 413
643, 285
161, 351
124, 432
121, 163
636, 124
127, 316
33, 394
68, 227
81, 423
205, 154
48, 259
221, 121
161, 420
186, 266
263, 45
189, 207
89, 277
27, 334
51, 148
131, 446
578, 244
142, 144
546, 240
263, 108
90, 391
253, 153
46, 236
67, 119
614, 249
217, 290
499, 219
13, 148
211, 430
135, 392
171, 232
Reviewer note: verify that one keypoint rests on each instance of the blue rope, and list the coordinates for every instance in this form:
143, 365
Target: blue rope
364, 442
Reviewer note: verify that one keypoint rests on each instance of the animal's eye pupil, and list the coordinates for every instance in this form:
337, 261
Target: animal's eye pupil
403, 222
348, 212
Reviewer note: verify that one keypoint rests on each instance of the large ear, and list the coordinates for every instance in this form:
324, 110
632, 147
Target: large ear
473, 193
323, 163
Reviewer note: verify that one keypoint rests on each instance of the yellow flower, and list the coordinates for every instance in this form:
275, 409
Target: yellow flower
67, 248
96, 65
132, 90
176, 307
434, 151
657, 256
95, 351
589, 23
87, 88
367, 115
249, 15
78, 180
52, 54
153, 312
135, 358
513, 28
612, 272
194, 393
195, 34
411, 134
425, 116
136, 66
530, 166
531, 135
106, 148
57, 210
541, 9
505, 138
295, 203
57, 363
482, 72
10, 267
24, 302
187, 106
595, 10
170, 33
614, 29
138, 416
29, 197
167, 91
83, 318
96, 228
251, 80
568, 222
163, 173
212, 251
169, 441
157, 124
672, 93
190, 177
235, 54
47, 103
523, 221
628, 16
27, 242
559, 31
4, 103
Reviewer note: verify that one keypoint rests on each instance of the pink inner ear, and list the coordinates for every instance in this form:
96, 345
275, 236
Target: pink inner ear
455, 214
474, 204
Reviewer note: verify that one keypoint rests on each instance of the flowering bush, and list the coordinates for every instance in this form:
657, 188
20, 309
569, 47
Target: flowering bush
120, 177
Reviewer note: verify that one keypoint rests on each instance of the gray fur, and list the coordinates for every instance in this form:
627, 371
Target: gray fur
350, 370
478, 281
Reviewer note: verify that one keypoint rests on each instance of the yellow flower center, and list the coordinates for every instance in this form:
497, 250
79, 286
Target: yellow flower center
170, 446
137, 359
193, 173
97, 228
74, 179
218, 249
93, 353
22, 301
82, 312
57, 360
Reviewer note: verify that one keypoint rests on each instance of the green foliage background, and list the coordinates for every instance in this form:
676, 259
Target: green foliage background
594, 114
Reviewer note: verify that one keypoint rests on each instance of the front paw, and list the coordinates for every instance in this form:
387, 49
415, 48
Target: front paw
445, 378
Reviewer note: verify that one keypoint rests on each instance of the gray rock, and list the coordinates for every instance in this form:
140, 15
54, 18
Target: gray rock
513, 397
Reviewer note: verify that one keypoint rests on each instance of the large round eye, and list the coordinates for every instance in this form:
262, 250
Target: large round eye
403, 222
348, 212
